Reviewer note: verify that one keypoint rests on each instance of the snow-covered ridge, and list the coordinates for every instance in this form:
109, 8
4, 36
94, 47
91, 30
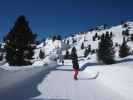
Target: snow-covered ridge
51, 47
87, 38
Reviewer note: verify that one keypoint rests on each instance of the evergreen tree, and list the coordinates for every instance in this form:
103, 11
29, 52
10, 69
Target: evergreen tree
124, 24
58, 37
124, 49
67, 55
87, 51
107, 32
116, 44
89, 48
96, 35
127, 32
105, 52
123, 32
111, 34
54, 38
41, 54
1, 56
82, 45
131, 37
19, 43
93, 38
38, 42
67, 42
73, 40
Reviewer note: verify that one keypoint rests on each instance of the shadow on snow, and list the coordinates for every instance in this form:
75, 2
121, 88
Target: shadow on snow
125, 60
83, 67
26, 89
51, 99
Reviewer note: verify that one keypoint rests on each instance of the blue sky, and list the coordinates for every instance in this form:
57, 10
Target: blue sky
63, 16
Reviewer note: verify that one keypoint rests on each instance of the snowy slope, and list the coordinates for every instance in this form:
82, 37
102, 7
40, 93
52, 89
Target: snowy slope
88, 36
21, 83
50, 48
65, 88
45, 80
117, 76
114, 82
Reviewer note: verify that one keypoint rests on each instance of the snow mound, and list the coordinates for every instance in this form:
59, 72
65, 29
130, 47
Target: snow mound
47, 62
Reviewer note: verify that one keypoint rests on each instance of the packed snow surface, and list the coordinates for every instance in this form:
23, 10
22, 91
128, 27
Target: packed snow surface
114, 82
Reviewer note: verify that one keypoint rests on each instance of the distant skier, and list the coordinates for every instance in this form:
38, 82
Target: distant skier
75, 62
59, 52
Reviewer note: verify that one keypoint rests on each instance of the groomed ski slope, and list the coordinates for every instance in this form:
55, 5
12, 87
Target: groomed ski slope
114, 82
65, 88
59, 85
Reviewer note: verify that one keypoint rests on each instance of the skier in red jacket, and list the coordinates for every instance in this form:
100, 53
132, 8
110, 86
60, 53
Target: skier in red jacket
75, 62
